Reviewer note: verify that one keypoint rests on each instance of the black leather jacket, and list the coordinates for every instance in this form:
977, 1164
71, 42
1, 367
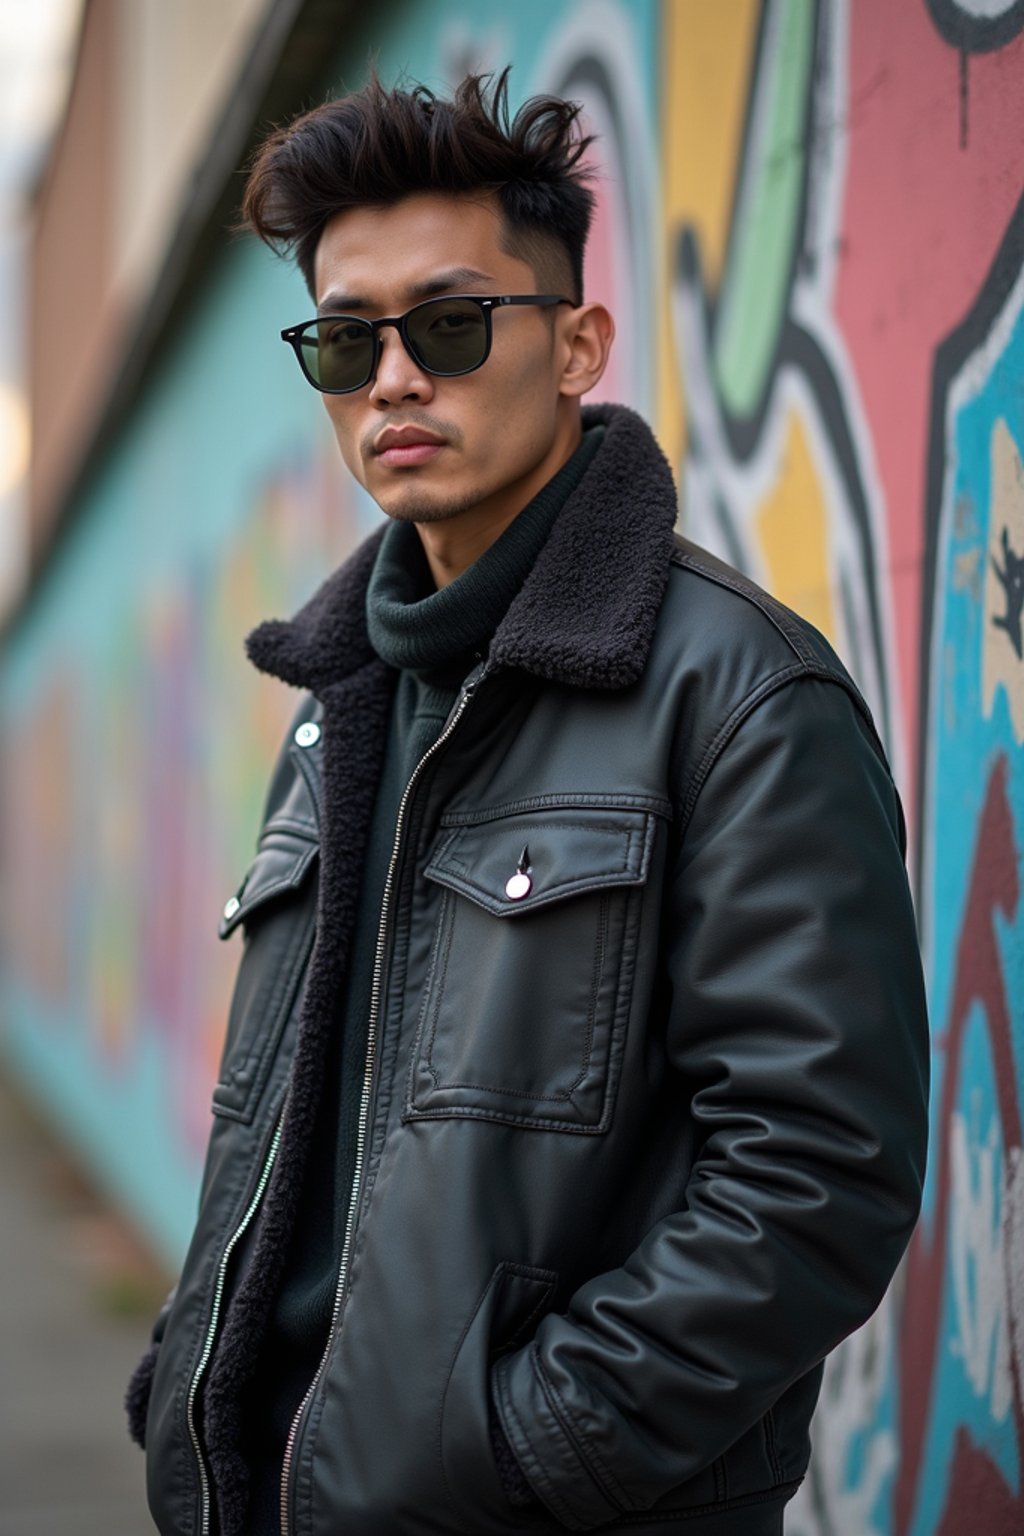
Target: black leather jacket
643, 1125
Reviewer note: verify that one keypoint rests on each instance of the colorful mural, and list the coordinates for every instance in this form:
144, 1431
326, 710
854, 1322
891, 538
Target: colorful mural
811, 231
844, 234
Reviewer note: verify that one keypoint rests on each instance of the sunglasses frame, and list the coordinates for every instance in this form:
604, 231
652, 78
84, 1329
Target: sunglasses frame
292, 334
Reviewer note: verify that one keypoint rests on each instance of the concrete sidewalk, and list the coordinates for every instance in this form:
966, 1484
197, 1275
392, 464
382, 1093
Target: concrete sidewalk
76, 1299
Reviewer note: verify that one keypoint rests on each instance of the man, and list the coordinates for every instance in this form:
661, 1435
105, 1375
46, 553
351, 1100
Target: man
573, 1101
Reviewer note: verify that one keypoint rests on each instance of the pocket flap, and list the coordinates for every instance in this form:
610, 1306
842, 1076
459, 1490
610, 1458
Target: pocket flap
514, 864
279, 866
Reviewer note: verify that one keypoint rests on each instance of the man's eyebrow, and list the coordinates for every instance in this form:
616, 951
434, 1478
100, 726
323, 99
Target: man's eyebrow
445, 282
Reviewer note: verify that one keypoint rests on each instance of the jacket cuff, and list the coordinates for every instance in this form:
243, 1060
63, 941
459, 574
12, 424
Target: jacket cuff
543, 1447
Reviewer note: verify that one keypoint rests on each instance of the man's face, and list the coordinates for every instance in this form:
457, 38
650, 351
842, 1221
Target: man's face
482, 434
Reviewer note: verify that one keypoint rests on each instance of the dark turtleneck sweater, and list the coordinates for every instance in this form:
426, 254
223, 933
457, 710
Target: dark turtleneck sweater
432, 637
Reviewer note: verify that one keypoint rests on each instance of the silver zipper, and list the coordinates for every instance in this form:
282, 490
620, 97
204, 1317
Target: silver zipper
218, 1296
364, 1103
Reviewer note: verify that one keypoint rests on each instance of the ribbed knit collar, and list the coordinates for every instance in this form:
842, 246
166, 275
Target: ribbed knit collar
435, 632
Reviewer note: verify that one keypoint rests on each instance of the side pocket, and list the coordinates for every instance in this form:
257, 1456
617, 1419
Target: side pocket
276, 905
506, 1315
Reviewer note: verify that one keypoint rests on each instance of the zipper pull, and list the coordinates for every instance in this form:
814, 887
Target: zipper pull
474, 680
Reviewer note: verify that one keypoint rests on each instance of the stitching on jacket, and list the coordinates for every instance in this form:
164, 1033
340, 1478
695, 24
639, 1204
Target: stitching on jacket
418, 1043
584, 801
245, 1062
437, 871
698, 1511
757, 696
583, 886
728, 727
509, 1117
304, 762
265, 1038
565, 826
296, 825
785, 623
585, 1449
542, 1300
762, 600
290, 882
595, 992
449, 917
645, 857
448, 1381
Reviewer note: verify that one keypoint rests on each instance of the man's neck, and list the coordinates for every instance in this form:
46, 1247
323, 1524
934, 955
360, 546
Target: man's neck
453, 544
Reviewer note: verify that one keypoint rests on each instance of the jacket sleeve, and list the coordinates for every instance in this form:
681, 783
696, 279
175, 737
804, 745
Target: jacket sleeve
798, 1029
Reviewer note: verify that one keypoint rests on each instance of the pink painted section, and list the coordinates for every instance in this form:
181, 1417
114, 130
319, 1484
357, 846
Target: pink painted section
921, 222
600, 281
603, 278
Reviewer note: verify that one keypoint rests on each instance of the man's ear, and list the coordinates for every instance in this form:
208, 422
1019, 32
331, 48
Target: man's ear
586, 335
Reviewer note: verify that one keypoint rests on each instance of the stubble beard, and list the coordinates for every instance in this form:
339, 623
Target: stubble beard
413, 507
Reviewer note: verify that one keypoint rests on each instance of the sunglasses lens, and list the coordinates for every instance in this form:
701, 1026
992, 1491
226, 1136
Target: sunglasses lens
338, 354
448, 335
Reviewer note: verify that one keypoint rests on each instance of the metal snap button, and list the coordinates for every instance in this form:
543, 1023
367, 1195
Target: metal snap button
231, 906
519, 885
307, 734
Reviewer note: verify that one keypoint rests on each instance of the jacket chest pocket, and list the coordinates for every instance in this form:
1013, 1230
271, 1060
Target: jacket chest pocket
276, 907
524, 1009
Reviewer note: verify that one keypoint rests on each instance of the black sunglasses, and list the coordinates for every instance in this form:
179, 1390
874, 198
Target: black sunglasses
447, 336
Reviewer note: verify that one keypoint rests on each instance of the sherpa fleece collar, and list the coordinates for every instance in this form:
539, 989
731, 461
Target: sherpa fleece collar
586, 613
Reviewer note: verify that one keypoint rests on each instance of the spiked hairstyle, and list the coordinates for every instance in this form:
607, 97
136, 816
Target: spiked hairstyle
379, 145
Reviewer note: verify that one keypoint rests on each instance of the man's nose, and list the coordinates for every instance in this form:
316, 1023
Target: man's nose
399, 376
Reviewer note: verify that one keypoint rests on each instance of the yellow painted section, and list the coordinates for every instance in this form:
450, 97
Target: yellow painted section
708, 49
792, 531
707, 54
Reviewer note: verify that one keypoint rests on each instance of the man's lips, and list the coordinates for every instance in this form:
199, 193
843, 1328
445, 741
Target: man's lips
408, 453
406, 446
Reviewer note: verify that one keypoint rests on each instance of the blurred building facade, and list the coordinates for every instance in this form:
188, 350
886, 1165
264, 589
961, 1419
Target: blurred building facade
811, 232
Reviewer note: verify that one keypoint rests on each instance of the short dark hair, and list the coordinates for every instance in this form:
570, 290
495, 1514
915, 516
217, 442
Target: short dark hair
377, 146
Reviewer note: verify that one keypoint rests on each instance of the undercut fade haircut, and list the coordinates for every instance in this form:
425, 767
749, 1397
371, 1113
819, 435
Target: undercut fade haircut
377, 146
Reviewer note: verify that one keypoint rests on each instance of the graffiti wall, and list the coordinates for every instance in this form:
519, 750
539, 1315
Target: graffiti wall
811, 232
843, 231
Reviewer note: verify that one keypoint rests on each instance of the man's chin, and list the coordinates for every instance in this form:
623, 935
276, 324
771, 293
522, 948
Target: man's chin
415, 504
